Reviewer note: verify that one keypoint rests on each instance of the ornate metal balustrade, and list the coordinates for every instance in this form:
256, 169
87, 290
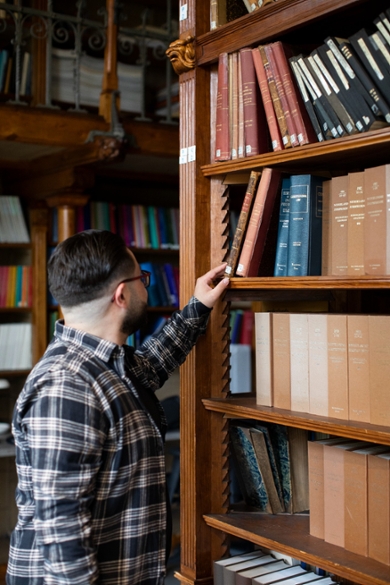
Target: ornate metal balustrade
84, 38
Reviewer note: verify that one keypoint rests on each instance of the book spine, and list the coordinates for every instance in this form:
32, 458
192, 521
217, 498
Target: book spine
355, 224
339, 221
306, 101
263, 331
358, 368
299, 362
281, 376
241, 224
222, 135
337, 366
377, 220
281, 255
318, 364
326, 229
379, 368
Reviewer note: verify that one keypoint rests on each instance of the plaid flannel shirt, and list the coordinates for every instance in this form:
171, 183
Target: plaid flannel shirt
91, 469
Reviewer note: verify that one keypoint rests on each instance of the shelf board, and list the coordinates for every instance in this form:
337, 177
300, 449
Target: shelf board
18, 245
311, 283
247, 408
263, 25
14, 373
358, 148
289, 534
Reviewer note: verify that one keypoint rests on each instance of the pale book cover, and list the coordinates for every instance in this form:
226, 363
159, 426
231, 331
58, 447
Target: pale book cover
358, 368
377, 220
318, 364
299, 362
326, 230
334, 509
337, 367
279, 576
218, 565
356, 498
316, 483
233, 103
250, 577
379, 507
230, 572
355, 224
263, 333
281, 360
241, 137
339, 220
379, 357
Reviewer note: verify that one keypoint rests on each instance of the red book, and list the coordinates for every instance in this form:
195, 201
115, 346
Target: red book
222, 138
277, 75
303, 125
246, 335
273, 126
253, 247
255, 122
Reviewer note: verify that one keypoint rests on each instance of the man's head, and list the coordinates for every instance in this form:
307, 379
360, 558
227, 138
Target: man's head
86, 266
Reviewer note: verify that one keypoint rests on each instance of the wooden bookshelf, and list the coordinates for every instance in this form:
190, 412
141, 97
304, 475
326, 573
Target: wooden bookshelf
206, 407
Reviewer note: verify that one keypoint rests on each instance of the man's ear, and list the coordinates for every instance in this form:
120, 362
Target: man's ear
119, 295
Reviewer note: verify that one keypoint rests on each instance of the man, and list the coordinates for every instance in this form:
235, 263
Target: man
88, 428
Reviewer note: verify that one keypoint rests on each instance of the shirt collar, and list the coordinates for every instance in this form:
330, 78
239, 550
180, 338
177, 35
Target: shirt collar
102, 348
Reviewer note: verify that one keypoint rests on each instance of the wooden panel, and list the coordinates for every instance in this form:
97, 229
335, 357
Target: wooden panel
289, 533
39, 226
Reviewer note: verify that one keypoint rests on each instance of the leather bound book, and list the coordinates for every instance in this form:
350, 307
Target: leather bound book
303, 124
339, 219
280, 117
255, 123
281, 255
276, 138
277, 75
372, 60
242, 224
260, 448
222, 138
259, 221
240, 105
377, 220
326, 229
233, 103
355, 224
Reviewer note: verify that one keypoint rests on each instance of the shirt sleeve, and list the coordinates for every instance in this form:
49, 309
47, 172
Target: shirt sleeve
65, 446
160, 355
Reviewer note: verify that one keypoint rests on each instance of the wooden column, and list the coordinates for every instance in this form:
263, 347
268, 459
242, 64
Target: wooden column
39, 225
66, 204
110, 76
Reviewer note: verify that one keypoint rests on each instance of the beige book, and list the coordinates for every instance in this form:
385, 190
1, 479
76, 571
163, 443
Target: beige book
263, 333
233, 103
355, 498
358, 368
299, 362
355, 224
337, 367
339, 220
318, 364
379, 356
281, 360
326, 229
377, 219
241, 138
379, 507
334, 509
316, 483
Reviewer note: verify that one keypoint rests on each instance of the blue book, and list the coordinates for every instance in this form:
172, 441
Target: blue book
305, 226
282, 237
154, 297
236, 325
248, 473
174, 293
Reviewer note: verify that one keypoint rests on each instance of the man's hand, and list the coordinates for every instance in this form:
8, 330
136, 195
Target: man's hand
205, 291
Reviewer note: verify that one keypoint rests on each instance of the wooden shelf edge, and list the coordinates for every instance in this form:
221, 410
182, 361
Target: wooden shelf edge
247, 408
289, 534
309, 282
315, 151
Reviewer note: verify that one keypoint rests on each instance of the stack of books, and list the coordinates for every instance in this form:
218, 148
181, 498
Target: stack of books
13, 228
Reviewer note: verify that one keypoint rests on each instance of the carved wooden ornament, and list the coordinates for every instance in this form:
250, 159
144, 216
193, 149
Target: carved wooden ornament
181, 53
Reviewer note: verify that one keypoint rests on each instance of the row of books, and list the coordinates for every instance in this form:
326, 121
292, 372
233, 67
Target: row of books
263, 568
356, 223
13, 227
349, 486
325, 364
164, 285
241, 326
299, 232
269, 97
15, 346
141, 226
8, 68
15, 286
271, 466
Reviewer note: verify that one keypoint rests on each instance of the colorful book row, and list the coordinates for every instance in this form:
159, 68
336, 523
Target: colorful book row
13, 228
269, 98
330, 365
164, 285
15, 286
241, 326
349, 495
15, 346
140, 226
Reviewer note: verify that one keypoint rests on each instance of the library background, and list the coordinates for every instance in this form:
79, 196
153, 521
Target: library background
278, 164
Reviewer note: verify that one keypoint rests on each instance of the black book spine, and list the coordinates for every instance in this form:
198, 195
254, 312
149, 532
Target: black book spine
307, 101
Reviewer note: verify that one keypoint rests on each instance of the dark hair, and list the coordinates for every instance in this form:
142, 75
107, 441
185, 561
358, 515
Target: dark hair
83, 267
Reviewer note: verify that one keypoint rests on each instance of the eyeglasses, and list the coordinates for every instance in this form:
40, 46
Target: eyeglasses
144, 277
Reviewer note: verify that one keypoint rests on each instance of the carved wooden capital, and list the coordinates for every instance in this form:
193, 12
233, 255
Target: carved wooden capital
109, 147
181, 54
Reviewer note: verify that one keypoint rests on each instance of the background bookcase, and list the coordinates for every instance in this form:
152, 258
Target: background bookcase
207, 522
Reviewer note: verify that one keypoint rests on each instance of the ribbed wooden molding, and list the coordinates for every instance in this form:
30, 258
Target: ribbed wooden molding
181, 54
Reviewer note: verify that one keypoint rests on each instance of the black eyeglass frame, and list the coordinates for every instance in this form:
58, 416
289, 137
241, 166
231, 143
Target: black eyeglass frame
144, 277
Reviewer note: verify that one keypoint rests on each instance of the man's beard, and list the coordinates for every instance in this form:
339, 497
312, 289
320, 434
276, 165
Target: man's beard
135, 318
